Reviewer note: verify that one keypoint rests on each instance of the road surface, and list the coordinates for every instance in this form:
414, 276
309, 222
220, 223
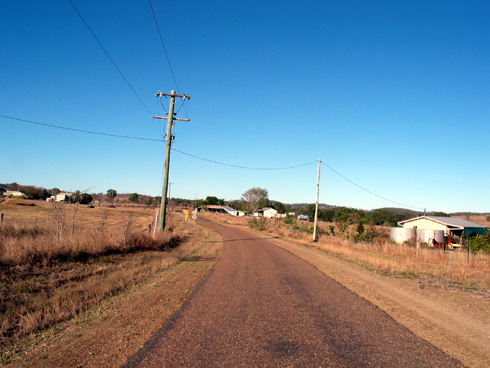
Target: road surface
263, 307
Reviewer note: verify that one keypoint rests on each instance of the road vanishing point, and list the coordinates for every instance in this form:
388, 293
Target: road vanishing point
262, 306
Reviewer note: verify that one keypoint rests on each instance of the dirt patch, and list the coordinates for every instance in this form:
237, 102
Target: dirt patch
451, 316
108, 335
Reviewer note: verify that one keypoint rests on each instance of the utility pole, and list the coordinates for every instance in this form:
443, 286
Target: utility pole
170, 201
168, 140
315, 237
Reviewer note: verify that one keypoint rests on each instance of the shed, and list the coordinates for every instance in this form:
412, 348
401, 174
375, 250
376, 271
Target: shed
268, 212
452, 226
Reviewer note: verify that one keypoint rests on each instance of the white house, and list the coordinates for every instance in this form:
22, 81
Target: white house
14, 193
63, 197
267, 212
225, 209
450, 225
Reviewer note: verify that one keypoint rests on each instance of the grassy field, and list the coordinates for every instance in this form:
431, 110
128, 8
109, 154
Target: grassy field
59, 259
380, 254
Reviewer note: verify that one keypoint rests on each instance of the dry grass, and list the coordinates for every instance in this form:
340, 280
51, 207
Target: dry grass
380, 254
47, 277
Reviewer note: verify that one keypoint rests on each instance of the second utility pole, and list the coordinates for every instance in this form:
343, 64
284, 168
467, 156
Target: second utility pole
315, 236
170, 118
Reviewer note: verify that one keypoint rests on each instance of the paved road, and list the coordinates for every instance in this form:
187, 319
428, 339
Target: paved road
264, 307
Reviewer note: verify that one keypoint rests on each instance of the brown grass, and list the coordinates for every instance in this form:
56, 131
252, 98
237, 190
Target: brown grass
380, 254
46, 277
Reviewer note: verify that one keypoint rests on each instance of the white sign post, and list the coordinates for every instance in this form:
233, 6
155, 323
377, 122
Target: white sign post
194, 217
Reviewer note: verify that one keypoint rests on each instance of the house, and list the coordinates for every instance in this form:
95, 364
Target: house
225, 209
14, 194
63, 197
303, 217
267, 212
452, 226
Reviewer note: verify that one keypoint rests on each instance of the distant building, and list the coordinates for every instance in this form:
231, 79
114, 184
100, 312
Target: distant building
14, 193
267, 212
225, 209
452, 226
303, 217
63, 197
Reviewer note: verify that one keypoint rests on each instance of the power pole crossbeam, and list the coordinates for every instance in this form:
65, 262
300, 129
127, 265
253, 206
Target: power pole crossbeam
168, 144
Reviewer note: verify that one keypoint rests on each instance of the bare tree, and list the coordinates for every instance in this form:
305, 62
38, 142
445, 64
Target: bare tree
253, 198
73, 216
127, 228
59, 215
103, 218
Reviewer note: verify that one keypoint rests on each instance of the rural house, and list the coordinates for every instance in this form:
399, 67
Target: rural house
63, 197
452, 226
267, 212
14, 193
225, 209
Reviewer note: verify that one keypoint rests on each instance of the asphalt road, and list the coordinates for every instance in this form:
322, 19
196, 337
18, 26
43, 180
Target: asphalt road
264, 307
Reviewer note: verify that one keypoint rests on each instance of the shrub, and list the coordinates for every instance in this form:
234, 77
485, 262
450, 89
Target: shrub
479, 243
257, 223
288, 219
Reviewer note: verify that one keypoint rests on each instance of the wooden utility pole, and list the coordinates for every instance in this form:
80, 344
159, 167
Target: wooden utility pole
168, 140
315, 237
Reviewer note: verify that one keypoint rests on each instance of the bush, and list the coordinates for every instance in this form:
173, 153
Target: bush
479, 243
288, 219
257, 223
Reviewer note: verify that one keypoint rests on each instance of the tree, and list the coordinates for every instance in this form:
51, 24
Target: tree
111, 194
54, 191
77, 196
134, 198
310, 211
33, 192
86, 198
212, 200
253, 197
280, 207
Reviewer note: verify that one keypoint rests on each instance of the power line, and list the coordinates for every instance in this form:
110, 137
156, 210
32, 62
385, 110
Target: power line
164, 48
368, 191
109, 56
151, 140
167, 57
82, 130
245, 167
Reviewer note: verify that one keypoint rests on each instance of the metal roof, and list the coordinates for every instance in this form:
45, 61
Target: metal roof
448, 221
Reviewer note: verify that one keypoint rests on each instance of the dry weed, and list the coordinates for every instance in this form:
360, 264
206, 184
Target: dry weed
46, 278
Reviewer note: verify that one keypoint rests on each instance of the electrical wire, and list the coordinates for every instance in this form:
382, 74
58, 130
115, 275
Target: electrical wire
82, 130
109, 56
164, 48
153, 140
367, 190
167, 57
245, 167
181, 105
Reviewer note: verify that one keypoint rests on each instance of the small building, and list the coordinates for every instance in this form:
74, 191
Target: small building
63, 197
14, 194
452, 226
225, 209
267, 212
303, 217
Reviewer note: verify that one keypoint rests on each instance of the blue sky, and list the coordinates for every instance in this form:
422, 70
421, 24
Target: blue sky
393, 95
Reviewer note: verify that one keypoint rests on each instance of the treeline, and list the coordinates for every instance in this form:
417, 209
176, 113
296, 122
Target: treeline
31, 191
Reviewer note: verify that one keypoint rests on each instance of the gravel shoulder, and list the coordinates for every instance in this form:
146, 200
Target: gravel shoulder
456, 321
